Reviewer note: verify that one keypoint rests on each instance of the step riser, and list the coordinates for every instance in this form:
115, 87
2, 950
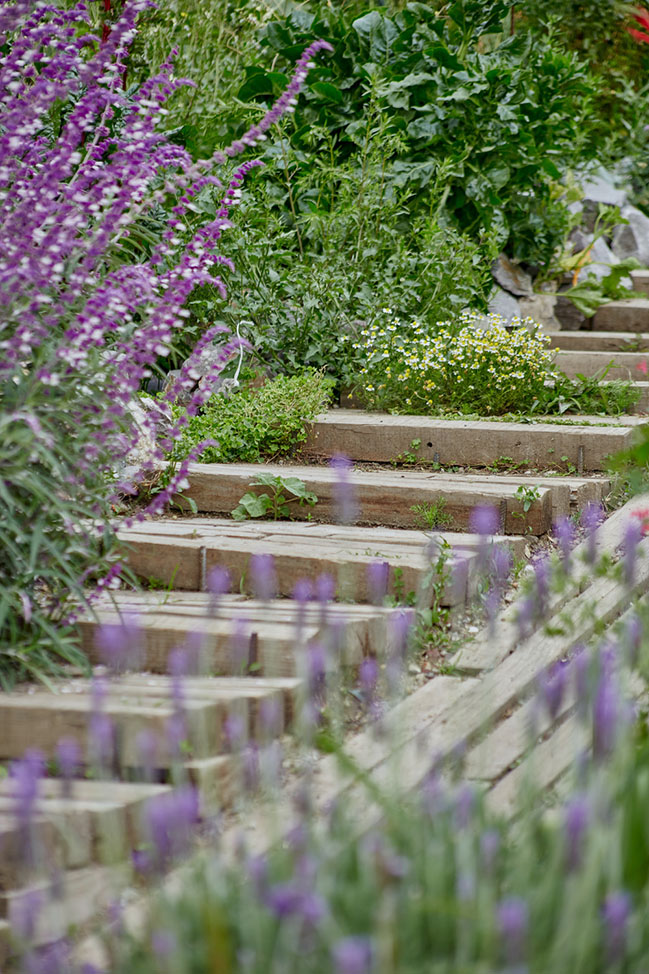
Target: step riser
271, 655
382, 438
621, 365
181, 566
43, 726
631, 315
640, 280
378, 505
599, 341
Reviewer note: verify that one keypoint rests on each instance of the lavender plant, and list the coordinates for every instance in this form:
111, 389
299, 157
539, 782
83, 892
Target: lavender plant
381, 881
84, 312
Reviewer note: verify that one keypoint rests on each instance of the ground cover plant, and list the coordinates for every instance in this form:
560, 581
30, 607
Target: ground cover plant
88, 303
256, 422
481, 365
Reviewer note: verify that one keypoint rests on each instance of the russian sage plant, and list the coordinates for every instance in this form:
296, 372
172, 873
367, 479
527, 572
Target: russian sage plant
86, 304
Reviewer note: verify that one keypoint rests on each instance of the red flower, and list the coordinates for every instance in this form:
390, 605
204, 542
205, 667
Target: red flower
642, 17
643, 517
642, 366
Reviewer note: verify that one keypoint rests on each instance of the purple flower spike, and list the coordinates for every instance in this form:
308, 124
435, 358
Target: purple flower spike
501, 565
632, 538
552, 686
368, 674
464, 804
101, 740
485, 520
344, 491
352, 955
607, 712
615, 914
541, 566
25, 776
69, 757
26, 914
302, 591
171, 819
524, 616
120, 645
378, 575
263, 577
163, 943
219, 583
258, 874
234, 732
566, 535
400, 627
489, 848
270, 717
239, 646
250, 768
575, 822
591, 518
284, 899
325, 588
513, 918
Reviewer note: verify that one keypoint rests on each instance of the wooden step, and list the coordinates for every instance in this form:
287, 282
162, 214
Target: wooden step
599, 341
631, 314
100, 822
621, 365
386, 496
43, 718
181, 553
167, 620
84, 893
487, 651
382, 437
640, 280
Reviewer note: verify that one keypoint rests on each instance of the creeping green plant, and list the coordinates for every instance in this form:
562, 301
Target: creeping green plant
274, 505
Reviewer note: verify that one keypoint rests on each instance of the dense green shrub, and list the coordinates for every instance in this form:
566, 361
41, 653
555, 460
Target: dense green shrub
459, 367
506, 120
257, 423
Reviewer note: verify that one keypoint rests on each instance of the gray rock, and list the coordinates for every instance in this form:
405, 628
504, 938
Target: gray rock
632, 239
601, 259
510, 276
504, 304
540, 307
568, 316
151, 420
601, 188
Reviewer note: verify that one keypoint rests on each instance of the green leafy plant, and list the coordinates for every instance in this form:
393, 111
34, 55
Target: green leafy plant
274, 505
527, 495
432, 515
254, 423
589, 295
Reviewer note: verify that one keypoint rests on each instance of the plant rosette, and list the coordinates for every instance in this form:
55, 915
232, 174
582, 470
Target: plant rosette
462, 367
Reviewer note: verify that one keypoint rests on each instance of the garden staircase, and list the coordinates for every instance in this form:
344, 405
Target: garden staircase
619, 338
249, 655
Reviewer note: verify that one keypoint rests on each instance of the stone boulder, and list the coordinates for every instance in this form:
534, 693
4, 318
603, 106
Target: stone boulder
151, 420
632, 239
504, 304
511, 277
